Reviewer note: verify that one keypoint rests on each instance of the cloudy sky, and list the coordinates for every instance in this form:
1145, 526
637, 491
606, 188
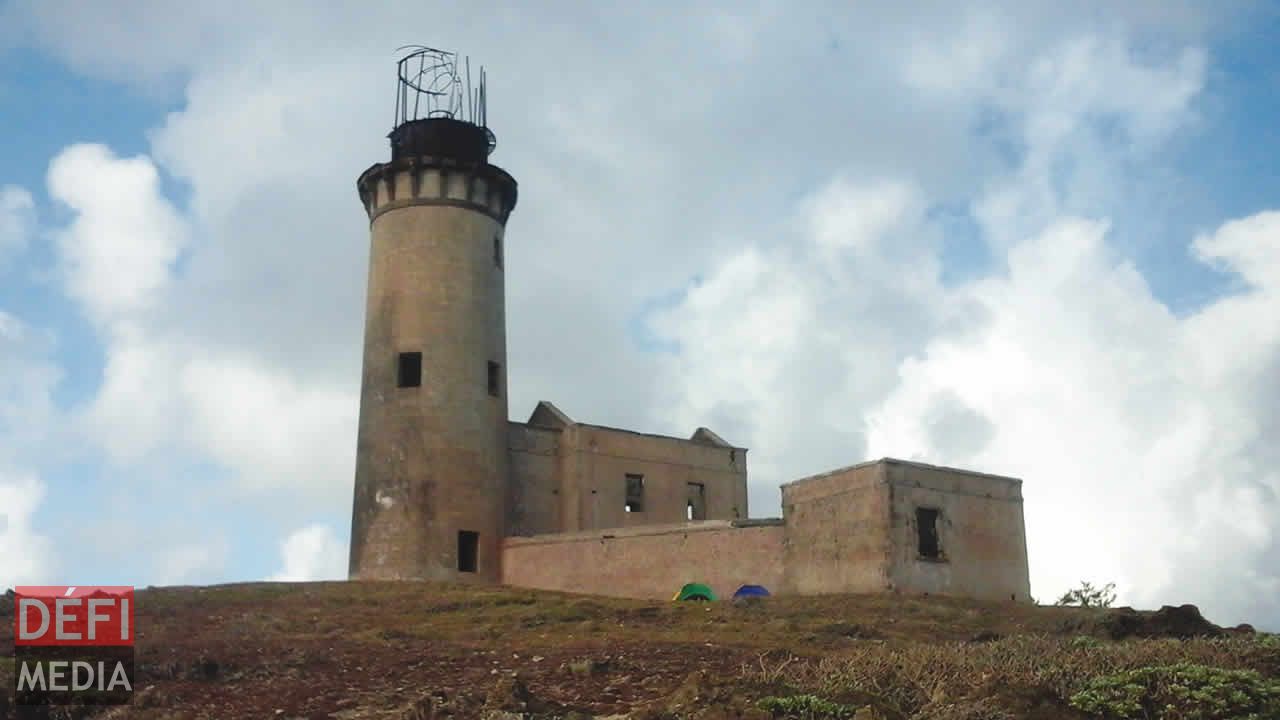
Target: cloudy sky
1014, 238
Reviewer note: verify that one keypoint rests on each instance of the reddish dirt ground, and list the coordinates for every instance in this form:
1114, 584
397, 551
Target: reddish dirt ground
418, 650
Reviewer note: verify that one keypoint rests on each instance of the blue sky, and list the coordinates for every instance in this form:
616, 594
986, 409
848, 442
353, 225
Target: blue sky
1007, 236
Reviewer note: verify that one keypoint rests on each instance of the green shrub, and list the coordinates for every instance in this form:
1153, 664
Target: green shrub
1085, 641
1181, 692
1089, 596
805, 707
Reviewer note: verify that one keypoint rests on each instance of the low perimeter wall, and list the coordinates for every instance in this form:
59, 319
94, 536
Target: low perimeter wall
650, 562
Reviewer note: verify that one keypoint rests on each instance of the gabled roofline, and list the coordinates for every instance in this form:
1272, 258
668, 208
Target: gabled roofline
677, 438
547, 415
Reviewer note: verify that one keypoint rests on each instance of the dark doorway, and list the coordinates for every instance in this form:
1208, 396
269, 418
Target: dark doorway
635, 493
697, 505
927, 533
468, 550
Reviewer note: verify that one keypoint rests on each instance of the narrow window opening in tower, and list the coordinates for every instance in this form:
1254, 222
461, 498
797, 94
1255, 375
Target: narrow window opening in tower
696, 506
927, 534
497, 251
495, 379
635, 493
409, 370
468, 550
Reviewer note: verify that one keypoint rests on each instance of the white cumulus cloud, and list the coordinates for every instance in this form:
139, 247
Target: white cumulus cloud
165, 384
126, 237
27, 415
312, 553
1141, 436
26, 554
272, 430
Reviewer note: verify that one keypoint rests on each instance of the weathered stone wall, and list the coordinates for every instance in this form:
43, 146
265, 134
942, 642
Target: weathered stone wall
596, 461
534, 507
980, 527
651, 562
837, 531
855, 530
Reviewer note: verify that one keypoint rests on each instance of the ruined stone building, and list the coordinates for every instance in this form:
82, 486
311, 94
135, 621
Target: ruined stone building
448, 488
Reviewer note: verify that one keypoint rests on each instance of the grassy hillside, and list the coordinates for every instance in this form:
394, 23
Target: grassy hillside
418, 651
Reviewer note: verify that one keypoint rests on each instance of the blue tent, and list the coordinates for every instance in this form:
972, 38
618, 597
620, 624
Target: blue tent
751, 591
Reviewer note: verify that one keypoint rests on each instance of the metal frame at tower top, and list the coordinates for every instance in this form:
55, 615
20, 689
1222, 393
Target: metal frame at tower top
432, 83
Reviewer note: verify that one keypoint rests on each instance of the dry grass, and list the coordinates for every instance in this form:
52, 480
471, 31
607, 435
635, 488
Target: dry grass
905, 679
367, 649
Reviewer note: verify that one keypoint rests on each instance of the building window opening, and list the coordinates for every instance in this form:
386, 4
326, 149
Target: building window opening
696, 508
635, 493
497, 251
468, 550
409, 370
495, 378
927, 533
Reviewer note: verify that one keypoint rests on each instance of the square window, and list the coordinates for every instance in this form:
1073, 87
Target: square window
409, 370
468, 550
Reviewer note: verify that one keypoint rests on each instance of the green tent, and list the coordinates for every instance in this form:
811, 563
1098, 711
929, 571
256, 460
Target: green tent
696, 592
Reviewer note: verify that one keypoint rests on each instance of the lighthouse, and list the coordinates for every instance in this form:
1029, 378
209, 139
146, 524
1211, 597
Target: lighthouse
432, 448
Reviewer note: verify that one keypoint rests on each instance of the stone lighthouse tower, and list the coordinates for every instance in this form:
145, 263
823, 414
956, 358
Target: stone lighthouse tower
431, 458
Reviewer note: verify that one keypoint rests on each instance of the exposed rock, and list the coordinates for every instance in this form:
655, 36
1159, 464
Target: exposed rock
985, 636
1184, 621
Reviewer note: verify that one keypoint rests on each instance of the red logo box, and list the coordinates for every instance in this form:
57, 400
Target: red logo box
73, 615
